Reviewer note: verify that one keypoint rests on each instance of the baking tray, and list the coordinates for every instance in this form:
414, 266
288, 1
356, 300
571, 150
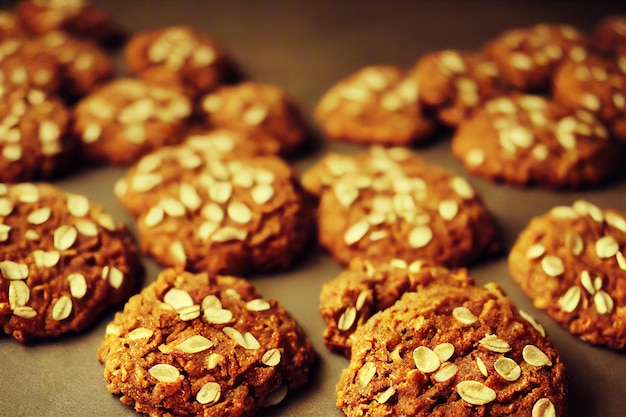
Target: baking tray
304, 47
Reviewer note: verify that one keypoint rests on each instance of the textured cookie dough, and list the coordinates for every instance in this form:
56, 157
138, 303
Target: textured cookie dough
36, 143
200, 345
529, 140
454, 83
597, 85
378, 104
63, 261
177, 57
77, 17
10, 25
127, 118
364, 288
234, 215
388, 203
83, 65
448, 351
32, 71
570, 262
527, 57
263, 112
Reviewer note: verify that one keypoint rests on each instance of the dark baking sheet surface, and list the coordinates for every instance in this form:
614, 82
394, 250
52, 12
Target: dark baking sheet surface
305, 47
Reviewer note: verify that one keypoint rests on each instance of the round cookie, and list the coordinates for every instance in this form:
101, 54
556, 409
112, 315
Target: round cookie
378, 104
36, 71
83, 65
167, 169
63, 261
203, 345
570, 262
177, 57
77, 17
449, 351
364, 288
388, 203
527, 57
597, 85
529, 140
36, 141
235, 215
454, 83
609, 35
265, 113
127, 118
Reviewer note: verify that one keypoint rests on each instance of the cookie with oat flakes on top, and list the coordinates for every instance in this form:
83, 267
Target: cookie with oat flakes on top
36, 143
364, 288
229, 214
454, 83
529, 140
453, 351
527, 57
597, 85
389, 203
377, 105
127, 118
30, 71
177, 57
63, 261
79, 18
265, 113
199, 344
165, 166
10, 26
571, 262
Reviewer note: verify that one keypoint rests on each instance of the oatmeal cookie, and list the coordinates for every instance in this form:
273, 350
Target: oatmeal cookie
203, 345
36, 71
529, 140
388, 203
449, 351
570, 262
454, 83
10, 25
378, 104
527, 57
265, 113
596, 85
127, 118
233, 214
177, 57
63, 261
364, 288
36, 143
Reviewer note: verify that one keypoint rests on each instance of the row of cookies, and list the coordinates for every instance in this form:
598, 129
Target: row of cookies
542, 105
63, 107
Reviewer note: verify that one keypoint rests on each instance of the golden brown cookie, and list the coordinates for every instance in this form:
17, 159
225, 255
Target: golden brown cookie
127, 118
570, 262
78, 17
200, 345
35, 131
364, 288
263, 112
449, 351
63, 261
378, 104
233, 214
10, 25
529, 140
388, 203
454, 83
597, 85
177, 57
527, 57
36, 71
